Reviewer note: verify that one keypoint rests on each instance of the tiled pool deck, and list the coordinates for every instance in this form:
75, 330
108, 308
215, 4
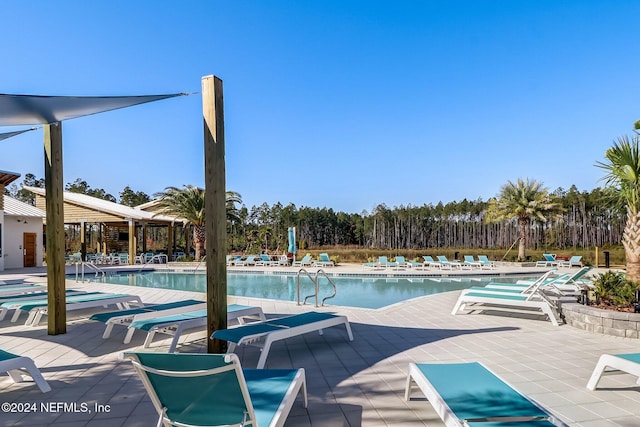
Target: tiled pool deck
359, 383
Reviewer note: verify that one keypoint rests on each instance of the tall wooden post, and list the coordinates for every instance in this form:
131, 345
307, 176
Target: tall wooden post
57, 315
170, 242
215, 209
83, 240
132, 241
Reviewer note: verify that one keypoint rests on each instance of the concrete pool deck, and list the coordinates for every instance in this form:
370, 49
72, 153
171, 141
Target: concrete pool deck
359, 383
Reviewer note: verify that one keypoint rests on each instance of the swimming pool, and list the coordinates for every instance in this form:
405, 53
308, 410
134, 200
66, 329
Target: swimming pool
365, 292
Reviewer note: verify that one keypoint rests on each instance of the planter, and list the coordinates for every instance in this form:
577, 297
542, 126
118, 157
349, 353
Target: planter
598, 321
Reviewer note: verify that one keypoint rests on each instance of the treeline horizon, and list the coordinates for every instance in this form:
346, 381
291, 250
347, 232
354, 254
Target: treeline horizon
588, 219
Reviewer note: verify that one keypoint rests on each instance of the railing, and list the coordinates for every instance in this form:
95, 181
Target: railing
90, 266
316, 281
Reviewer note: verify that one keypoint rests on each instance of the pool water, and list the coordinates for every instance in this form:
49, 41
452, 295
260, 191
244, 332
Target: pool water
362, 292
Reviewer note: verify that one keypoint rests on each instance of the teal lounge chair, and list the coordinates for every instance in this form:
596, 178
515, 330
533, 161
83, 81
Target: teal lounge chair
304, 262
17, 366
470, 262
38, 308
269, 331
549, 260
125, 317
448, 264
23, 289
614, 364
250, 260
401, 262
531, 301
469, 394
265, 261
324, 261
193, 389
574, 261
180, 320
383, 262
485, 262
430, 262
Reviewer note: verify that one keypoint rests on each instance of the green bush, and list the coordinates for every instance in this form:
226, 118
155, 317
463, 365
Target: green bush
613, 288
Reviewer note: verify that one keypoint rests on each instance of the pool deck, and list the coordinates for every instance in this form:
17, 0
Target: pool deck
359, 383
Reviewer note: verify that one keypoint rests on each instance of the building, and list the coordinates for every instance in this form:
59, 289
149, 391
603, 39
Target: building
21, 230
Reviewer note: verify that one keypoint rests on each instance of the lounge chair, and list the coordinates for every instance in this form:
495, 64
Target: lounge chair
38, 308
125, 317
549, 260
430, 262
470, 395
448, 264
250, 260
486, 262
521, 302
574, 261
178, 322
568, 284
17, 366
412, 264
400, 262
470, 262
383, 262
24, 289
304, 262
233, 260
619, 363
265, 261
324, 261
193, 389
265, 333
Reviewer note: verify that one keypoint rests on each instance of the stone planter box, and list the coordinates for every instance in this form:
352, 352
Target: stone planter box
606, 322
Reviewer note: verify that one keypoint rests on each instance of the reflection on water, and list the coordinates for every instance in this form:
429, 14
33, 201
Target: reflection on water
352, 291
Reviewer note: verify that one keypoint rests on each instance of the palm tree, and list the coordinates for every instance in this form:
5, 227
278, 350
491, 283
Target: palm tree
623, 176
525, 201
188, 204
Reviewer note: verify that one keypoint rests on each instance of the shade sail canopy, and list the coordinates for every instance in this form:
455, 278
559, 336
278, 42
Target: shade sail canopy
10, 134
19, 110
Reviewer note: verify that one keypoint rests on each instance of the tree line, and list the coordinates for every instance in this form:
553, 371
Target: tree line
587, 219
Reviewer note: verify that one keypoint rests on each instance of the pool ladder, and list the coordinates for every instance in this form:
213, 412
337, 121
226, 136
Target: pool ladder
315, 278
90, 266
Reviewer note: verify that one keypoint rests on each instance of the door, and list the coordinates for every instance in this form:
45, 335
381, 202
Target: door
29, 250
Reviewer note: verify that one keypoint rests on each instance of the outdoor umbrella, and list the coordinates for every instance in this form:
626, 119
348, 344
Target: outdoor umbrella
292, 241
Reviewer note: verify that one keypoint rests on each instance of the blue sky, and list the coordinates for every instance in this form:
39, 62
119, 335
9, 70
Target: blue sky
343, 104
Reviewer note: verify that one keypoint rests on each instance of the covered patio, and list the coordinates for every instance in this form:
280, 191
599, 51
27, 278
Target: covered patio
120, 228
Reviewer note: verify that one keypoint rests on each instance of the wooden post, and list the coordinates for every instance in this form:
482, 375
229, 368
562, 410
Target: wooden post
170, 242
57, 315
83, 240
132, 241
215, 209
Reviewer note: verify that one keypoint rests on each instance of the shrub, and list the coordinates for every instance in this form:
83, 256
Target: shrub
613, 288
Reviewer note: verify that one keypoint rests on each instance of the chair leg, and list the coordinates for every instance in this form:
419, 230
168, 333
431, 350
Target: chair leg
597, 373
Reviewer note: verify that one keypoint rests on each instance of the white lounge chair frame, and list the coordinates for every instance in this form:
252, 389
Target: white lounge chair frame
613, 364
496, 300
126, 319
266, 339
18, 366
440, 405
177, 328
120, 301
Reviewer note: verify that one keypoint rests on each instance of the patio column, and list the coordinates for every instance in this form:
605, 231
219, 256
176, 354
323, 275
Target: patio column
132, 241
57, 315
215, 209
